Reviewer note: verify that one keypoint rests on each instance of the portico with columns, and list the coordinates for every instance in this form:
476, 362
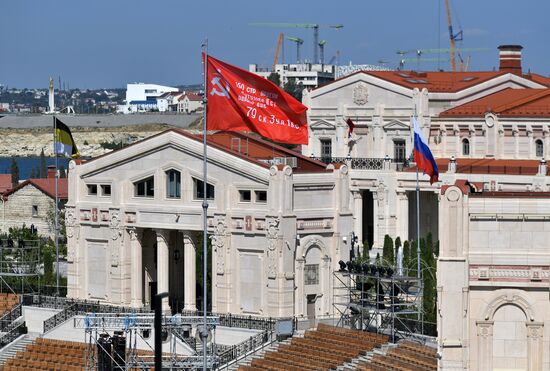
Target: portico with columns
134, 226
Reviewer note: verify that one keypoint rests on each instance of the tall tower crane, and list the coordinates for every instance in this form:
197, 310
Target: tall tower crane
313, 26
299, 43
322, 50
278, 51
452, 36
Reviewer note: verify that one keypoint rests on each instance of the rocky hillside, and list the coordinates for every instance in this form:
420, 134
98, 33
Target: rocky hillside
91, 142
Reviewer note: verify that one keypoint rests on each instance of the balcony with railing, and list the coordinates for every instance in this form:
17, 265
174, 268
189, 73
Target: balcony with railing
369, 163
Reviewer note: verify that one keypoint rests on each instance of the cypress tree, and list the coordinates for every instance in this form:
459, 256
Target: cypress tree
413, 259
14, 170
365, 253
406, 257
43, 166
387, 251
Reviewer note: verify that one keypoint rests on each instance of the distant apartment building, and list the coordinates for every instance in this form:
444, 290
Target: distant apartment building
308, 74
141, 97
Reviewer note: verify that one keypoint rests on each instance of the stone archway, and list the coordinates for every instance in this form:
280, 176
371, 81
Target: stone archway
312, 278
508, 337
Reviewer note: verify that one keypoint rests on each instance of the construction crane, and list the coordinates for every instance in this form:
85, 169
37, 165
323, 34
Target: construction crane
453, 38
335, 58
299, 43
313, 26
322, 50
403, 61
278, 50
421, 52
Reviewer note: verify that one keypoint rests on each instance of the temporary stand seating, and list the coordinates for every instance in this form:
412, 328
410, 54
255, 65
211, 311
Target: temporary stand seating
329, 347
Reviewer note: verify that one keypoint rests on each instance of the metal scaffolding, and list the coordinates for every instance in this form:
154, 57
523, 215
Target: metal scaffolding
377, 300
21, 261
135, 326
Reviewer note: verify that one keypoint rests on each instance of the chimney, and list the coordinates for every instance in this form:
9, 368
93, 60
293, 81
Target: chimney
51, 172
510, 58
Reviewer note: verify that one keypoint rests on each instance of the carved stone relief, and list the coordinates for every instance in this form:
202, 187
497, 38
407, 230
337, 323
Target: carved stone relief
218, 238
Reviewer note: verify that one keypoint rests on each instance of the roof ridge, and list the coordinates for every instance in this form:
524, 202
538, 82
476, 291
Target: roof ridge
538, 94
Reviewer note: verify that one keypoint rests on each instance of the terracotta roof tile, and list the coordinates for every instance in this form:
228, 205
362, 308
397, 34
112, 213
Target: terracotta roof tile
5, 182
506, 103
47, 186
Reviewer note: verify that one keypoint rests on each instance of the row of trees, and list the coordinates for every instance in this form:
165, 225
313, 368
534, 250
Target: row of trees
429, 251
39, 171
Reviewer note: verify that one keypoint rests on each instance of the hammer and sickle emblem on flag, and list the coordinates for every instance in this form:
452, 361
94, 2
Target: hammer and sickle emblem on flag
218, 88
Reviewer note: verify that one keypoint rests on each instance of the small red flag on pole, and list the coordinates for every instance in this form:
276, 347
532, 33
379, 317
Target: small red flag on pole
351, 126
239, 100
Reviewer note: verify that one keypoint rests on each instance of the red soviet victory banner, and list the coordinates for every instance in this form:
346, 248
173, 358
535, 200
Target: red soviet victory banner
239, 100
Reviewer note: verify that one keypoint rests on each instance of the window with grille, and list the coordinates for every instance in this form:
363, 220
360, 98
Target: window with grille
311, 274
539, 148
326, 148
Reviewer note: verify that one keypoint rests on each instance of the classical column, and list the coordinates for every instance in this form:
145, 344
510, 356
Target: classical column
163, 265
136, 254
534, 345
358, 217
190, 272
484, 345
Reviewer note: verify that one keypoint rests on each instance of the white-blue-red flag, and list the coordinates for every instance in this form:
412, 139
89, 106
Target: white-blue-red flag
422, 154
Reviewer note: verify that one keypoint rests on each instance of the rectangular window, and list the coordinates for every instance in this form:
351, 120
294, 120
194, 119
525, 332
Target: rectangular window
326, 148
261, 196
311, 274
399, 150
145, 188
92, 189
34, 210
198, 186
105, 189
245, 195
173, 184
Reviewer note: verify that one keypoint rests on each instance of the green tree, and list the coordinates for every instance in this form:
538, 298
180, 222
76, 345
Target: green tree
35, 172
365, 253
275, 78
14, 170
397, 247
377, 259
294, 89
199, 265
62, 173
413, 259
406, 256
43, 166
387, 250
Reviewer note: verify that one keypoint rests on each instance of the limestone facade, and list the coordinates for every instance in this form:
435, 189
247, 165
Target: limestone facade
277, 231
493, 278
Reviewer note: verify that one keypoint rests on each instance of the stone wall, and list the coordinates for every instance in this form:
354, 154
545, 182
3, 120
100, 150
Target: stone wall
18, 209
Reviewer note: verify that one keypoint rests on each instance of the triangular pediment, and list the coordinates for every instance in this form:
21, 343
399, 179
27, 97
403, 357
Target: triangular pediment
322, 124
396, 125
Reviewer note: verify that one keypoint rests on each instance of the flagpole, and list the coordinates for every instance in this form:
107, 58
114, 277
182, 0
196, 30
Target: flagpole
56, 206
205, 210
418, 236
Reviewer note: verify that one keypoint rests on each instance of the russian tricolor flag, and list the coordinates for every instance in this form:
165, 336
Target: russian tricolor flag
422, 154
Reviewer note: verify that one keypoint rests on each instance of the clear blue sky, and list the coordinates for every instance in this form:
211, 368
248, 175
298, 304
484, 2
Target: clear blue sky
108, 43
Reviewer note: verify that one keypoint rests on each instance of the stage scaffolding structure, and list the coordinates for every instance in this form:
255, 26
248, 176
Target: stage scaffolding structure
376, 299
21, 261
136, 329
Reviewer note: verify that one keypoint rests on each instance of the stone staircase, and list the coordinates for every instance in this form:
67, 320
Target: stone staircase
19, 344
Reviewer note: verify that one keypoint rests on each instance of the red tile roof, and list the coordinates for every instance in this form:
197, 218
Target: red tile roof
5, 182
506, 103
488, 166
47, 186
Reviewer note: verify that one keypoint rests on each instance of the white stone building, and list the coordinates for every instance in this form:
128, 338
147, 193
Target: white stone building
308, 74
279, 223
141, 97
189, 102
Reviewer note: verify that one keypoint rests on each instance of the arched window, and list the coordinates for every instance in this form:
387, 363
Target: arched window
465, 147
539, 148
